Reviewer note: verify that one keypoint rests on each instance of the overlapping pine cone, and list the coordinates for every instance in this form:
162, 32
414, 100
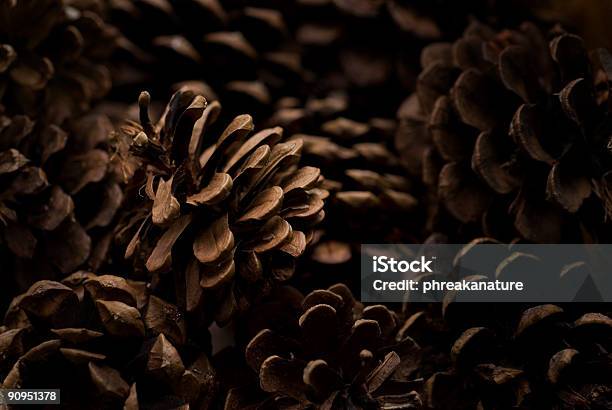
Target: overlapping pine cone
539, 357
56, 187
330, 353
371, 49
224, 211
355, 48
504, 123
58, 195
52, 57
105, 343
251, 52
512, 355
255, 53
363, 174
241, 49
432, 21
560, 274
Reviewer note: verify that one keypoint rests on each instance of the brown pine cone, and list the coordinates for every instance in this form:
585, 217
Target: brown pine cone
241, 50
105, 343
58, 195
355, 47
52, 57
332, 354
371, 199
504, 124
540, 358
57, 189
254, 52
434, 19
370, 48
512, 355
227, 215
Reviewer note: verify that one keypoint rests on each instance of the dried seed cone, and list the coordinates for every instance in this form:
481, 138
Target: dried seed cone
355, 47
58, 195
431, 20
227, 212
241, 50
504, 123
57, 191
540, 357
52, 57
370, 48
335, 353
106, 343
513, 355
371, 199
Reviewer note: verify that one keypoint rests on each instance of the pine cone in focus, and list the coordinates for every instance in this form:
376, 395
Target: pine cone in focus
513, 355
237, 207
52, 58
504, 124
336, 354
370, 196
241, 50
58, 194
106, 343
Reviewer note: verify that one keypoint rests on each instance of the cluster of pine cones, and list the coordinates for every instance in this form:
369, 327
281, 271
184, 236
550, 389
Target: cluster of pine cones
185, 185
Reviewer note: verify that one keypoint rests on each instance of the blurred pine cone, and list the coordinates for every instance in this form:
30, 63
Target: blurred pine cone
370, 48
241, 50
57, 188
106, 343
434, 19
52, 57
363, 175
58, 195
589, 20
355, 47
538, 358
238, 207
333, 353
513, 355
255, 52
504, 125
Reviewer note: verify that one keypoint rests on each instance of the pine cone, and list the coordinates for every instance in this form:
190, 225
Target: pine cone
57, 190
481, 131
370, 48
542, 357
58, 194
240, 206
52, 58
240, 50
355, 47
435, 19
253, 53
512, 355
362, 173
337, 354
106, 343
